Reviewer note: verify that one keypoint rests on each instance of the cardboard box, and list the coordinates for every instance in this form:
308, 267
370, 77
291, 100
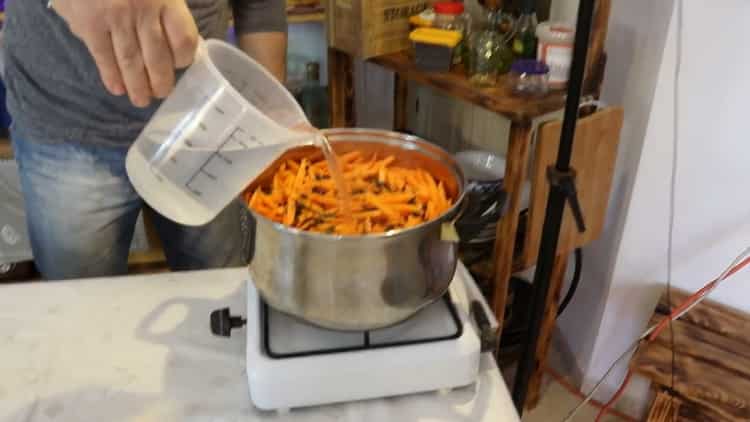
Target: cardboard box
369, 28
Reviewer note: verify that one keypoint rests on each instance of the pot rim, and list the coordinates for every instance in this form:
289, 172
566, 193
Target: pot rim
391, 234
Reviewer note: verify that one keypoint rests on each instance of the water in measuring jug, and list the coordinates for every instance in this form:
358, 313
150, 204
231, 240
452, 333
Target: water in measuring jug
225, 122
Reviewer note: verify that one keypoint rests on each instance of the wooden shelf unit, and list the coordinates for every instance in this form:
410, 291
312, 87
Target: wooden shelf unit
521, 112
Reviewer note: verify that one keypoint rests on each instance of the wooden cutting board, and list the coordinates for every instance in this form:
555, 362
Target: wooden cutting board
594, 155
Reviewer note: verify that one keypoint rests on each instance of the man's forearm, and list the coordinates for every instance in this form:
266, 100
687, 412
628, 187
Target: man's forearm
268, 49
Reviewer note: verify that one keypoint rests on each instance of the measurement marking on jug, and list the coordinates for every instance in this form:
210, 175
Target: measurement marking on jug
202, 126
219, 110
189, 143
224, 158
234, 137
209, 175
214, 155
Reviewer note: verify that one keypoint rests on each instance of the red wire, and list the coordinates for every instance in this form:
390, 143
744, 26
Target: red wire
573, 390
694, 297
605, 409
663, 324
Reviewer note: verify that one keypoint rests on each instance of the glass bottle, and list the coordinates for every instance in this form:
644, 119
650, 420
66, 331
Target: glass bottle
503, 22
524, 41
488, 53
313, 98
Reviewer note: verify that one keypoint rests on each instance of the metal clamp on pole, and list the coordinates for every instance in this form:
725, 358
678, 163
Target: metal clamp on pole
565, 182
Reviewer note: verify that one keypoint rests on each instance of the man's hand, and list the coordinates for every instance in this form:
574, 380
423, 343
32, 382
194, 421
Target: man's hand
136, 44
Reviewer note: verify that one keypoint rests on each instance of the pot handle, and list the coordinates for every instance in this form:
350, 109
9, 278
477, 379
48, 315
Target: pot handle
448, 232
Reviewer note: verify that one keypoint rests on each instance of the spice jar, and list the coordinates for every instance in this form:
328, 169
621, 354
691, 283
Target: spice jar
556, 51
451, 16
487, 54
488, 57
528, 78
422, 20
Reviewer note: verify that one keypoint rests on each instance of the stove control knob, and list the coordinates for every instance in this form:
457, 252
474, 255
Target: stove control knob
222, 322
487, 335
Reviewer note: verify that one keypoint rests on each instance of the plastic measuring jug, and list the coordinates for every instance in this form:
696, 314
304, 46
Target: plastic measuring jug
225, 121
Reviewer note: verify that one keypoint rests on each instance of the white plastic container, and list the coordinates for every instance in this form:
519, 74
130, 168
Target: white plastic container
225, 121
555, 49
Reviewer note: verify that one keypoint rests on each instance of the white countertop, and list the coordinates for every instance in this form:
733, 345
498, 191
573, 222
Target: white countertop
139, 348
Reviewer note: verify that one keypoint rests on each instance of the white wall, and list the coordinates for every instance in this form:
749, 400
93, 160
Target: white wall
307, 43
712, 209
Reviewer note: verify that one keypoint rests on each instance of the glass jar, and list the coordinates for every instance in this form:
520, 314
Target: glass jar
450, 15
529, 78
488, 56
502, 22
555, 49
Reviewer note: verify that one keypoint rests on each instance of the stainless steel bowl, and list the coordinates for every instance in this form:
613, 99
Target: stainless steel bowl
359, 282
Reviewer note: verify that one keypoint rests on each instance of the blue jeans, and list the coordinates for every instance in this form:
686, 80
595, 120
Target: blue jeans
81, 212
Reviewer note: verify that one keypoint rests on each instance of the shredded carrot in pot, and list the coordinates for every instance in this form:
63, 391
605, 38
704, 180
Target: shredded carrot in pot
384, 196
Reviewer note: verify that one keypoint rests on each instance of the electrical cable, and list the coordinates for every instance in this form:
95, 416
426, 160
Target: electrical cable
672, 185
599, 383
742, 261
574, 391
513, 337
676, 314
573, 283
671, 226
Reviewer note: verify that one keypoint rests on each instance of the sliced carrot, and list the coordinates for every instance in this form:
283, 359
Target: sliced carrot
384, 196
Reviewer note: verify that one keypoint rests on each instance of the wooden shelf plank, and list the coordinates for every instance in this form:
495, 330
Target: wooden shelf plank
497, 99
306, 17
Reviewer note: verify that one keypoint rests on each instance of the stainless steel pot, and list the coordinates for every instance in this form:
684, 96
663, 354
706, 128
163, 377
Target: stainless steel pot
359, 282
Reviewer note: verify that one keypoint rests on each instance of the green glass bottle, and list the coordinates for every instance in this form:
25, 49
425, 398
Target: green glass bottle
524, 42
313, 98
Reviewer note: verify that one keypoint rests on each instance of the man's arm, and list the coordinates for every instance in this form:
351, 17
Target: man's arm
261, 26
268, 49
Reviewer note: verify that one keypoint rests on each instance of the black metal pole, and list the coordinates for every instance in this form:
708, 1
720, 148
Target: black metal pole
555, 206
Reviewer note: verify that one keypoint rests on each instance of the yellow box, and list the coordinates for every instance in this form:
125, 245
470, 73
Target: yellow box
443, 37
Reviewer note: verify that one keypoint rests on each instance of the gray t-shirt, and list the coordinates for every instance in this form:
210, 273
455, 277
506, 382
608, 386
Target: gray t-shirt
54, 90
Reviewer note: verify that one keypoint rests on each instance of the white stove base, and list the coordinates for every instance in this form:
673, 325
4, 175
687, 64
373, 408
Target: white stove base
283, 384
